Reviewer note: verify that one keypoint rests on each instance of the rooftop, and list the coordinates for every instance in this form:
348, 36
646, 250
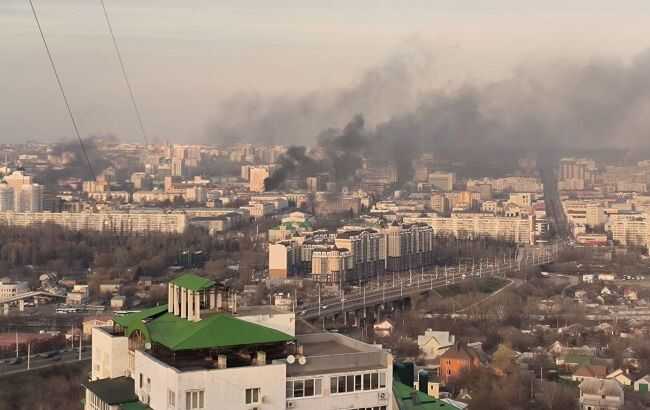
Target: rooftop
333, 352
113, 391
193, 282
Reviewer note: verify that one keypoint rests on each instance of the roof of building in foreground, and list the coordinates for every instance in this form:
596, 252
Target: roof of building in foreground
114, 391
410, 399
218, 330
193, 282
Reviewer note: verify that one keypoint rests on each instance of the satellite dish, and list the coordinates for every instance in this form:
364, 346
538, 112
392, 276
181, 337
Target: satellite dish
147, 346
302, 360
291, 359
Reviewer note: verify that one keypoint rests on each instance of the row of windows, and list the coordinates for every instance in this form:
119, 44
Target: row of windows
96, 403
304, 388
371, 408
357, 382
195, 399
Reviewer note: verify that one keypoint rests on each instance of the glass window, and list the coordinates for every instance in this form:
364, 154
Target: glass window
366, 381
350, 383
333, 385
309, 387
253, 395
382, 380
298, 388
357, 382
317, 387
188, 400
375, 381
342, 384
201, 399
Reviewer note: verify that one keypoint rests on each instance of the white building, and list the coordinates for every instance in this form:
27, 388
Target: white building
10, 288
434, 343
198, 353
601, 394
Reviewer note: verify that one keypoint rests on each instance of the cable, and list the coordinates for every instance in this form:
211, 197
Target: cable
60, 84
126, 77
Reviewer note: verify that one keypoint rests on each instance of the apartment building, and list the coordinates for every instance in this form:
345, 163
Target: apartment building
443, 181
408, 246
257, 175
368, 248
220, 356
519, 229
629, 228
10, 288
122, 222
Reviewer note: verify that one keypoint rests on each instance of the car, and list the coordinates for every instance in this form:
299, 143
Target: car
324, 307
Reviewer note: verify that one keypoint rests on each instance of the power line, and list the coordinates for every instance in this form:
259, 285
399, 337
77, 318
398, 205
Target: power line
124, 74
60, 84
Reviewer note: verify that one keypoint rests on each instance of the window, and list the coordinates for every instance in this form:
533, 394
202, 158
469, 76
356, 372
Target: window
140, 380
194, 399
253, 395
357, 382
171, 399
304, 388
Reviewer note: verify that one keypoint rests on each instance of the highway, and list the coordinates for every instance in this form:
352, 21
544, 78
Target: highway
39, 361
393, 289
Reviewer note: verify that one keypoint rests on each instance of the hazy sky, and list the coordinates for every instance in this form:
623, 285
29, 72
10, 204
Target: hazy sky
185, 57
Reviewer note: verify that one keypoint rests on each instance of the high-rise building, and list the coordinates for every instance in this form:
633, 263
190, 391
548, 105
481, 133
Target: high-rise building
30, 198
6, 198
178, 167
257, 175
443, 181
223, 356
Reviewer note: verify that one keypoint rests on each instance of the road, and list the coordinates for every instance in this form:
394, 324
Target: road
552, 199
393, 289
39, 362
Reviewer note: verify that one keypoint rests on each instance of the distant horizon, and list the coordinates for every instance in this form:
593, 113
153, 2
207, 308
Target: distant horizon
189, 63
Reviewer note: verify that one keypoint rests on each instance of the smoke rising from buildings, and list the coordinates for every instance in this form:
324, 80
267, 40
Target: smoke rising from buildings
562, 105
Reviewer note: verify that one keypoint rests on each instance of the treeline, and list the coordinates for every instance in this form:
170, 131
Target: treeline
50, 247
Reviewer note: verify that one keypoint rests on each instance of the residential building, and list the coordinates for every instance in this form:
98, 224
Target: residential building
434, 344
642, 385
257, 175
457, 359
10, 288
221, 356
600, 394
443, 181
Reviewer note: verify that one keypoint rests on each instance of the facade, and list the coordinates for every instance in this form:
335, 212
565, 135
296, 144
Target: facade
601, 394
257, 175
433, 344
368, 249
455, 360
628, 228
220, 357
331, 265
6, 198
10, 289
126, 222
408, 247
443, 181
519, 229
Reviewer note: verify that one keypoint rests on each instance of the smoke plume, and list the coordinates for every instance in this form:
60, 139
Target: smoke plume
561, 106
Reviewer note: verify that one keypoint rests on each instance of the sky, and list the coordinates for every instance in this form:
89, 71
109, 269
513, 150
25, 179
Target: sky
187, 60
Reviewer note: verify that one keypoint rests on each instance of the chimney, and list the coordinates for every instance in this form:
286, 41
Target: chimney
261, 358
222, 361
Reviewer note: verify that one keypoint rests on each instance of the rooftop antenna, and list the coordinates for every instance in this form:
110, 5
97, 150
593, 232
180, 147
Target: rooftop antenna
61, 89
124, 74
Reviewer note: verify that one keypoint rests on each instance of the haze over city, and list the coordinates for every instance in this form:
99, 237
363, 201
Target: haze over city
367, 205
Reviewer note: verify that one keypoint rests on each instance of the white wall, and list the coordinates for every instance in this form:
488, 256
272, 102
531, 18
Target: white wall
284, 322
110, 355
224, 388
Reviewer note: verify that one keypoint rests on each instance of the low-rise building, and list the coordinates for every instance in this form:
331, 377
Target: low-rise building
601, 394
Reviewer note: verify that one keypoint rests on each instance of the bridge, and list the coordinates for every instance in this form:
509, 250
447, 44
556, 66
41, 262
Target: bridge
377, 295
27, 295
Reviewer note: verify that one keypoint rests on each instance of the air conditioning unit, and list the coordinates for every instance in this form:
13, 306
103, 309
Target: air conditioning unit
291, 404
382, 395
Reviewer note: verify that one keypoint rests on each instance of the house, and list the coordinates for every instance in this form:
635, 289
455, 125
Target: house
455, 360
580, 294
585, 372
588, 278
599, 394
434, 343
109, 287
605, 291
643, 384
96, 321
75, 298
620, 376
606, 328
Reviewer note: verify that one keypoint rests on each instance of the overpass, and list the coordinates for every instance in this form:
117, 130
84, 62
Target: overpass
375, 296
27, 295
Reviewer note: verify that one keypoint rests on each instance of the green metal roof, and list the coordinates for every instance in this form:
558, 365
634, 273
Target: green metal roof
113, 391
218, 330
193, 282
133, 318
405, 401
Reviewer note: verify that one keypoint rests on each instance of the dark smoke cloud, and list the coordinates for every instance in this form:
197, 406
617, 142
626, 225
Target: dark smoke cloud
78, 167
338, 153
561, 106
